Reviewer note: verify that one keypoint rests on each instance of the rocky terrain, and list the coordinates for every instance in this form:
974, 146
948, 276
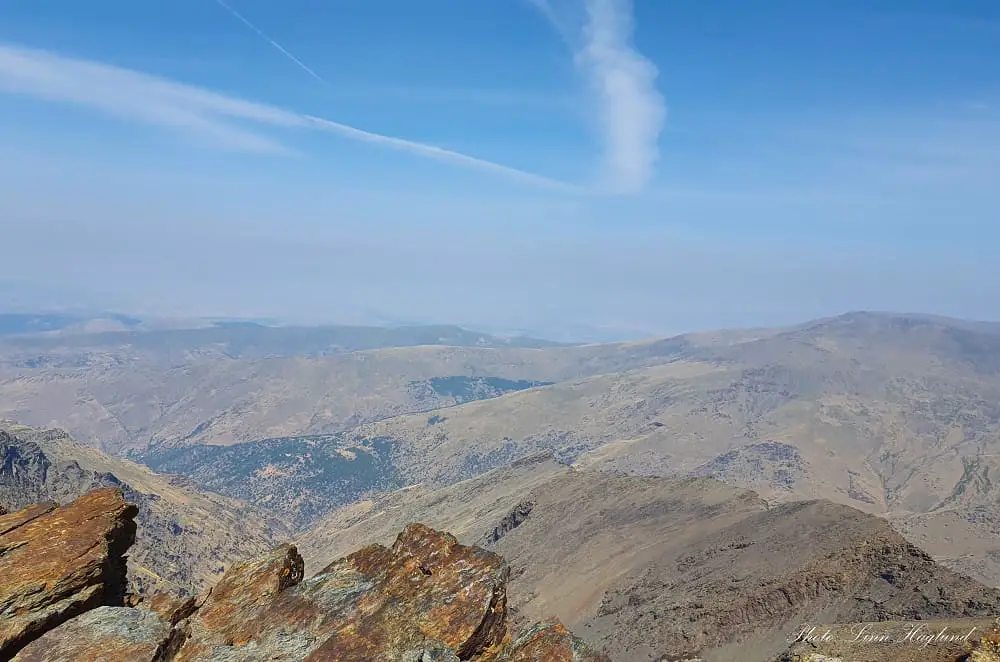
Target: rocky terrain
892, 415
187, 537
896, 415
424, 598
644, 567
57, 563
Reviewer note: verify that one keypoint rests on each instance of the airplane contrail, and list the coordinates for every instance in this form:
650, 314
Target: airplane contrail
431, 151
263, 35
440, 153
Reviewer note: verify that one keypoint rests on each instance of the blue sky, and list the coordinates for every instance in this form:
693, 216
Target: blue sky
592, 167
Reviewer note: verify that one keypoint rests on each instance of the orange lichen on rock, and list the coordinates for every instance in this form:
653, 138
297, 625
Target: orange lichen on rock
426, 593
58, 562
62, 583
987, 649
551, 642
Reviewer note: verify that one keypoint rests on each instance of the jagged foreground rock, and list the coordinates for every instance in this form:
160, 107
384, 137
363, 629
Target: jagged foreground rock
425, 598
59, 562
428, 598
107, 634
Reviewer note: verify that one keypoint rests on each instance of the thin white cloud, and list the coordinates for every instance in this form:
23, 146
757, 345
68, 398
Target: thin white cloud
632, 111
427, 150
132, 95
227, 121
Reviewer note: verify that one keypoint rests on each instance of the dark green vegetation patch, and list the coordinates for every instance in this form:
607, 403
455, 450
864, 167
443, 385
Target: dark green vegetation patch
468, 389
296, 478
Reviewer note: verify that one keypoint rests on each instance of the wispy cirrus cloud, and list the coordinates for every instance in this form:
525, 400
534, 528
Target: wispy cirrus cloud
631, 110
224, 120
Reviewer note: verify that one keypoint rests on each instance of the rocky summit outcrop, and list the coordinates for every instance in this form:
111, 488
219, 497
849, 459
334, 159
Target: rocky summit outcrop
425, 598
107, 634
59, 562
550, 642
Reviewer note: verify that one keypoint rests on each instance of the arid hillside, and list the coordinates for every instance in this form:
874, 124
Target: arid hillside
125, 389
186, 537
222, 385
643, 567
897, 416
712, 574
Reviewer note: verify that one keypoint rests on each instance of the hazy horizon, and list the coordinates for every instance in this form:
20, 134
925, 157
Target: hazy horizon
648, 168
573, 333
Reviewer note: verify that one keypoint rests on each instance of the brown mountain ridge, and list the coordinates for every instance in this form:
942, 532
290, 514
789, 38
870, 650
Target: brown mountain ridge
650, 568
645, 568
894, 415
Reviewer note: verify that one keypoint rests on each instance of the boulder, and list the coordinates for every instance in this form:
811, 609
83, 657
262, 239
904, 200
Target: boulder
59, 562
425, 599
108, 634
425, 596
550, 642
171, 607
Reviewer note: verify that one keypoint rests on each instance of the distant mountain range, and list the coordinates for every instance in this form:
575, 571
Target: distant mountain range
700, 495
21, 324
896, 415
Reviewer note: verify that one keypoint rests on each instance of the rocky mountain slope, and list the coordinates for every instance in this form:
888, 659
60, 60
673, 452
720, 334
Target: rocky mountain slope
425, 598
186, 537
428, 597
645, 567
894, 415
325, 471
897, 415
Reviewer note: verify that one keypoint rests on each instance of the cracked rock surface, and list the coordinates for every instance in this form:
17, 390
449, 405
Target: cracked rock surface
59, 562
426, 598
